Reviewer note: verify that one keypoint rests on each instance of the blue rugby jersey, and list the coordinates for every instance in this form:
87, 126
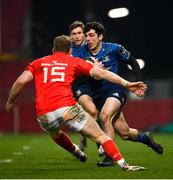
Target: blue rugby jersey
75, 48
110, 54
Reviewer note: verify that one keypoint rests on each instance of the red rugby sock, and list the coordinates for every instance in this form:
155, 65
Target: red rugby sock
64, 141
112, 150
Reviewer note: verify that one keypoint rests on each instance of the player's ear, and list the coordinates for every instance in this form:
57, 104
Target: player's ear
100, 37
70, 51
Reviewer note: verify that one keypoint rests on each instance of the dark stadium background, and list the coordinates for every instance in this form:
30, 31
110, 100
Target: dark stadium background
27, 28
146, 32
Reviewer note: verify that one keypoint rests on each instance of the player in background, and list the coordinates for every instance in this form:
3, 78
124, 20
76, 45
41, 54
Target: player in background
76, 30
55, 105
107, 97
77, 35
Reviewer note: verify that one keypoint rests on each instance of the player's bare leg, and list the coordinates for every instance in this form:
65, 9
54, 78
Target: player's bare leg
88, 105
110, 108
63, 140
92, 130
126, 133
83, 142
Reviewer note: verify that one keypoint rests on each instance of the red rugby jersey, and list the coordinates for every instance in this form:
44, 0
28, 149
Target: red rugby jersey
53, 77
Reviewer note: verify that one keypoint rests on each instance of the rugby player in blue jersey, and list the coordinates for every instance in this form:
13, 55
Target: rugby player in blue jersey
106, 97
76, 30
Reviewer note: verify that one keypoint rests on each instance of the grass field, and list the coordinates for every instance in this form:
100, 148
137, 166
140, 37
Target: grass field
35, 156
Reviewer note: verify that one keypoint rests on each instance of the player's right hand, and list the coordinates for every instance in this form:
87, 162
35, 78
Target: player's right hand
9, 106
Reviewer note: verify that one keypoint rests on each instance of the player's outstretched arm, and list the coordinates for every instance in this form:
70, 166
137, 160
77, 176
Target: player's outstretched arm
17, 87
137, 88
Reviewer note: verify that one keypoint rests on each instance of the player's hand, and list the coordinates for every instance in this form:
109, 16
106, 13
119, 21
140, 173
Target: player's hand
98, 64
137, 88
95, 62
140, 92
9, 105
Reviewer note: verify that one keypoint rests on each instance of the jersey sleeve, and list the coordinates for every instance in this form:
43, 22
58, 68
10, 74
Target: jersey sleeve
83, 67
123, 53
30, 67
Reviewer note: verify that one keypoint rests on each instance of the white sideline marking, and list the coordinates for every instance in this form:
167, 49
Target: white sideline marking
6, 161
18, 153
26, 148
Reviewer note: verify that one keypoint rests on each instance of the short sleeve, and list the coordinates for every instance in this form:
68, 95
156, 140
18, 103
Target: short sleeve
30, 67
83, 67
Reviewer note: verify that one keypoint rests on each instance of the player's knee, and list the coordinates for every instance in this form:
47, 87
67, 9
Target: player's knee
104, 118
124, 134
55, 134
93, 112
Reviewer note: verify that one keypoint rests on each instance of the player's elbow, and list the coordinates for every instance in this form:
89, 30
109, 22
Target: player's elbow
24, 78
95, 72
21, 81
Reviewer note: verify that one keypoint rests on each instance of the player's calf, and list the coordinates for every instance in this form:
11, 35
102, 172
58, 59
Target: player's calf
79, 154
83, 142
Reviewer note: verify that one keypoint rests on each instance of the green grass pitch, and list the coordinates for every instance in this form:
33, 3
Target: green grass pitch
36, 156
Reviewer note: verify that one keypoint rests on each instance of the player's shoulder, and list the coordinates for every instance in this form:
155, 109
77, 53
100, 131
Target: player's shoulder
76, 60
109, 46
41, 60
81, 51
84, 47
77, 48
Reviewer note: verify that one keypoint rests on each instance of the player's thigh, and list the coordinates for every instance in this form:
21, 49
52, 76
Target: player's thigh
93, 131
88, 105
120, 125
110, 108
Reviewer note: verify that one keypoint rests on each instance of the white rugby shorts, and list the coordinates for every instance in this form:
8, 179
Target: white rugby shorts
73, 117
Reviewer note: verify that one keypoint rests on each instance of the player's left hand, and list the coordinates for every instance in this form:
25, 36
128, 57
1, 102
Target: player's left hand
99, 64
137, 88
140, 92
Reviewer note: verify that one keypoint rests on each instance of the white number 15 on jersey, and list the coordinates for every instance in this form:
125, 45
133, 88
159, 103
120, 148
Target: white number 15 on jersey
55, 74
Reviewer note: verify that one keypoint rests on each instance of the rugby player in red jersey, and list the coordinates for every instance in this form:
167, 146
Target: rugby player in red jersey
55, 105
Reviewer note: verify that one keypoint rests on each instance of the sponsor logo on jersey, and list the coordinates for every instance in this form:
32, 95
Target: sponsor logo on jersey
122, 50
108, 68
78, 92
123, 100
91, 59
54, 63
106, 59
116, 94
